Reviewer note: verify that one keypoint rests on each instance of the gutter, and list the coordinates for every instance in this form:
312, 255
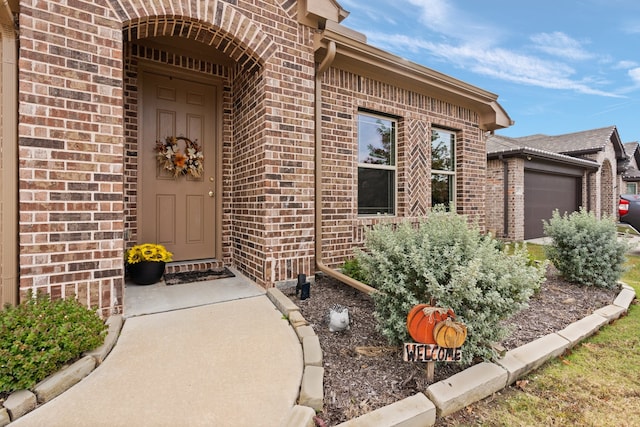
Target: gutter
357, 56
324, 65
546, 155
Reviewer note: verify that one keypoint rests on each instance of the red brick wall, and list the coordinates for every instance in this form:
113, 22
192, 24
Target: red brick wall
495, 217
343, 94
79, 129
70, 151
516, 199
607, 191
495, 199
293, 163
271, 201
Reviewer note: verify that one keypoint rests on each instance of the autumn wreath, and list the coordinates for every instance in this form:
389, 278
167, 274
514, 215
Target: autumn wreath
175, 161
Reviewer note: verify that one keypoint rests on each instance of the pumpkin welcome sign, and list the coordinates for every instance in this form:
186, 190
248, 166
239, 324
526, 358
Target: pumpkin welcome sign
439, 337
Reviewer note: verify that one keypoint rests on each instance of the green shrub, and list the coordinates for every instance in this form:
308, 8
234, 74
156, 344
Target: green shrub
352, 268
585, 249
448, 263
39, 336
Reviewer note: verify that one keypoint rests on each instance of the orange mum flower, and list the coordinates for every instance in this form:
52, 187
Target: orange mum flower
180, 160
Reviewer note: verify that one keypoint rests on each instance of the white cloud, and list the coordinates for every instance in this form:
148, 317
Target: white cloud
623, 65
372, 12
632, 27
561, 45
500, 63
442, 17
635, 75
435, 14
449, 34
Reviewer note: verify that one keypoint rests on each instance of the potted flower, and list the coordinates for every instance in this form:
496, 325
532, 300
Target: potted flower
145, 263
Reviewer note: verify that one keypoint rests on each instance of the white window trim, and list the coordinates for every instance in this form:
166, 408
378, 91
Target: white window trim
394, 168
454, 193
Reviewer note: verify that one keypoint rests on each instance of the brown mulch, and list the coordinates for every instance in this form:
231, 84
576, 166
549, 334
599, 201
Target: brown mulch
363, 373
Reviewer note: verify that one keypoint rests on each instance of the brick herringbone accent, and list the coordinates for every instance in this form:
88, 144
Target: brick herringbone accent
418, 168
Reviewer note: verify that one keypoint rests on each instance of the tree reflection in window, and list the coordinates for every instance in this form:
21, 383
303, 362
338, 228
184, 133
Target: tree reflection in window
442, 150
378, 134
442, 167
376, 165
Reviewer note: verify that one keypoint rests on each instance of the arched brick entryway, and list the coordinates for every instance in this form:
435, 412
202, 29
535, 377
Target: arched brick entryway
78, 130
223, 43
219, 25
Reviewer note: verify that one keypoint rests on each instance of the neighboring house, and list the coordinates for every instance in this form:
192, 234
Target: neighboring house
309, 135
529, 177
631, 174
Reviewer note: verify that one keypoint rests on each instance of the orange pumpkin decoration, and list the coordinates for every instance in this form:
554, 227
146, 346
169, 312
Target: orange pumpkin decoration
421, 320
450, 334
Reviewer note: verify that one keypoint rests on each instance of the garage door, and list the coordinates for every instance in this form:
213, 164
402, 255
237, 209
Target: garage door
545, 192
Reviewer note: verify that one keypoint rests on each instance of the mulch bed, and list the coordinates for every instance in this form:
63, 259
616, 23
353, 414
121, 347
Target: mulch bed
363, 373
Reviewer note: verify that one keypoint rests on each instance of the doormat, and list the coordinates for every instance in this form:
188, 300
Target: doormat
196, 276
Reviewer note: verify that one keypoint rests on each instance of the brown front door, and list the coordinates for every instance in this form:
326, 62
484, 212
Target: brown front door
178, 212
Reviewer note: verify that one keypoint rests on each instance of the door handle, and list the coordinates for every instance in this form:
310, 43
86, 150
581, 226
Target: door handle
211, 193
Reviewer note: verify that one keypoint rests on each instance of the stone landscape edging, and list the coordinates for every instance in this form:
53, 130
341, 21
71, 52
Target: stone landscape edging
22, 402
420, 410
452, 394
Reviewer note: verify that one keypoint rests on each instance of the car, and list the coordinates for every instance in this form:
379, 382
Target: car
629, 211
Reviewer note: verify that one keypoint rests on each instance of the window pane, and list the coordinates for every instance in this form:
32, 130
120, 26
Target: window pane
442, 146
376, 137
631, 188
376, 191
442, 189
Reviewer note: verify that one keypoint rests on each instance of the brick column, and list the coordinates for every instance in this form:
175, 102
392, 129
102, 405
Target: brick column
71, 152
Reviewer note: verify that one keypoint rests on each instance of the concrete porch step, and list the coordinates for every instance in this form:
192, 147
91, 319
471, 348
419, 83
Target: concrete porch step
193, 265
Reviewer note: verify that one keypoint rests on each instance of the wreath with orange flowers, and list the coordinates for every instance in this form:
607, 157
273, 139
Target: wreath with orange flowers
172, 159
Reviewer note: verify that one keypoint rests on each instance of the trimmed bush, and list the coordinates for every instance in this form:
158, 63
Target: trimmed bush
446, 262
585, 249
352, 268
39, 336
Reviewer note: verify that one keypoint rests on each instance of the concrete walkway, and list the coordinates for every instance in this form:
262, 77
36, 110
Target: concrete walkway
210, 365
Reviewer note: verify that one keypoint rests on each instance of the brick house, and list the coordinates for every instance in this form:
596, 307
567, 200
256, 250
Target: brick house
631, 173
528, 177
309, 136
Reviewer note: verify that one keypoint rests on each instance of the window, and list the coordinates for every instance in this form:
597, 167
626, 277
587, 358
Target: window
376, 165
443, 169
632, 188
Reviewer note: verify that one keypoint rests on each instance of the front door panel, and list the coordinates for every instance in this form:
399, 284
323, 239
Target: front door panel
178, 212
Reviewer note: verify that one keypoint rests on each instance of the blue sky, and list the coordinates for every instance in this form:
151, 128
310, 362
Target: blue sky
558, 66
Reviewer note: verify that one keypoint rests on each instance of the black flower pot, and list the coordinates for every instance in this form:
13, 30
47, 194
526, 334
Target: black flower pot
146, 272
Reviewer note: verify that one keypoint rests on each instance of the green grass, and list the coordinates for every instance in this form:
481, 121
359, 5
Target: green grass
536, 251
626, 230
596, 384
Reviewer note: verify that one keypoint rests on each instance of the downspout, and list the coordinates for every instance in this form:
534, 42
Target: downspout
9, 179
324, 65
589, 176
